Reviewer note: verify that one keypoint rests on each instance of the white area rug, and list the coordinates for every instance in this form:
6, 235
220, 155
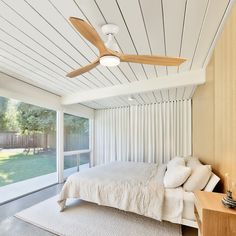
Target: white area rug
88, 219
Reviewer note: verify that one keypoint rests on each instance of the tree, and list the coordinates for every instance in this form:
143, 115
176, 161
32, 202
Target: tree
75, 124
11, 116
33, 119
75, 129
3, 109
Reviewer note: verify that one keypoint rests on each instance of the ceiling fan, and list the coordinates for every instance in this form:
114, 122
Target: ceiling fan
109, 51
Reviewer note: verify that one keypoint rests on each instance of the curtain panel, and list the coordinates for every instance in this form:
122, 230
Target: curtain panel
147, 133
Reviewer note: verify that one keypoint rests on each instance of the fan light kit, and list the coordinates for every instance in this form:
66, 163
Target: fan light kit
110, 54
109, 61
110, 30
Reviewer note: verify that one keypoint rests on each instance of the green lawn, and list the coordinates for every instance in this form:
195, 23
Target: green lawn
15, 166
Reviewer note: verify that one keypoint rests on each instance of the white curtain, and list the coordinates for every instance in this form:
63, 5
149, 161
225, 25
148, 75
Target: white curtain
148, 133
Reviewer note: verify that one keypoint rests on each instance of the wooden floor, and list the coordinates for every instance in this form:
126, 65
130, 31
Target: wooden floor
11, 226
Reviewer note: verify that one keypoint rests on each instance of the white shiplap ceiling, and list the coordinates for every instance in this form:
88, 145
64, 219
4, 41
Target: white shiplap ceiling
39, 46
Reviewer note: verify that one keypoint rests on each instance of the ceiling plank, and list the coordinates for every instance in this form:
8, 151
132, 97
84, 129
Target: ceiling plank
136, 26
165, 95
174, 18
25, 75
180, 93
55, 81
139, 99
145, 98
158, 96
151, 97
31, 53
172, 94
194, 18
154, 26
215, 11
64, 82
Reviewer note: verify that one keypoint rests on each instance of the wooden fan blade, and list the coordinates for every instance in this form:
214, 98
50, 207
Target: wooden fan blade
89, 33
83, 69
152, 60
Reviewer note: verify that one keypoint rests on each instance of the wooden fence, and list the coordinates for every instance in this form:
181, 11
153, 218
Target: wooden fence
45, 141
14, 140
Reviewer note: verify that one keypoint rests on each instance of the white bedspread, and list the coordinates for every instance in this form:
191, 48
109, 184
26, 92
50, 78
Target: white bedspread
129, 186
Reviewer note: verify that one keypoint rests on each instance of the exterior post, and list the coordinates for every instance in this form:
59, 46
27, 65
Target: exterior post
91, 142
78, 161
60, 146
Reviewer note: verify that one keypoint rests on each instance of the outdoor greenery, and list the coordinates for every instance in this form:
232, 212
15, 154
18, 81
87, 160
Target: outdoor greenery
16, 166
33, 119
73, 124
29, 120
3, 109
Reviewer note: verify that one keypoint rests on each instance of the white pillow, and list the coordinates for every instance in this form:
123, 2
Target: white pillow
176, 161
192, 162
198, 179
213, 181
176, 175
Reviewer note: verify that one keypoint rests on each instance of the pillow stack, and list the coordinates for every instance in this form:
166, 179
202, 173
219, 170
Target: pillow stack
177, 173
194, 176
199, 176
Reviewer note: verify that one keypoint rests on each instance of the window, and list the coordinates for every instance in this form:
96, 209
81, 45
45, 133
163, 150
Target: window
76, 143
27, 142
76, 133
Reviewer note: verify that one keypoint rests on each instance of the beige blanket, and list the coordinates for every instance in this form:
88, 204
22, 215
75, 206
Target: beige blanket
129, 186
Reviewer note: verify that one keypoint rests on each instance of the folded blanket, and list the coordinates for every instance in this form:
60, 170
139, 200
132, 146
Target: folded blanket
129, 186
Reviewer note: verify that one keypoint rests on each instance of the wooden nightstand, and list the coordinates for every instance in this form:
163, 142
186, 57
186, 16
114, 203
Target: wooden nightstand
212, 217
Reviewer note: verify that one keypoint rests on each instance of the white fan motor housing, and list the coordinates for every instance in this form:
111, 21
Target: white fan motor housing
110, 29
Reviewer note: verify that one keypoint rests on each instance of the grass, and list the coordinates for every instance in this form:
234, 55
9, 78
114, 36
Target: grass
15, 166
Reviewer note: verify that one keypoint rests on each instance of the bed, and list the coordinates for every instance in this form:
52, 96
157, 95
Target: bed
187, 216
131, 186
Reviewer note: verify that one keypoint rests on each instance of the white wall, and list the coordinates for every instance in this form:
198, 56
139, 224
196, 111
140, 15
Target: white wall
16, 89
79, 110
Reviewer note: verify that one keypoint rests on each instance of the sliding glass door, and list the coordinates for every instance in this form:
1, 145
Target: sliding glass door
39, 147
27, 143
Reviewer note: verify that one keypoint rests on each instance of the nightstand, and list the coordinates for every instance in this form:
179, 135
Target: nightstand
212, 217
